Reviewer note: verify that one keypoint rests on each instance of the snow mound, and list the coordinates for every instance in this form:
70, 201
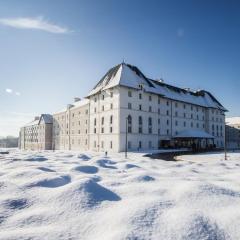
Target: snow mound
15, 203
45, 169
201, 227
145, 178
86, 169
106, 163
129, 165
87, 193
211, 189
52, 182
84, 157
36, 159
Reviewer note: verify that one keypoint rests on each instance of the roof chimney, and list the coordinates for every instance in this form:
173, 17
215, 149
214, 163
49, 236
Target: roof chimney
77, 99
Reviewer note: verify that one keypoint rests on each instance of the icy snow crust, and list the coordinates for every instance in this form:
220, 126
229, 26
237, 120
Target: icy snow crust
70, 195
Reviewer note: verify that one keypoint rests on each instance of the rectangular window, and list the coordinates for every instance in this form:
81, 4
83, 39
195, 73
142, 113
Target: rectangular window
150, 108
140, 107
140, 96
150, 98
150, 130
111, 144
111, 94
129, 93
129, 106
129, 145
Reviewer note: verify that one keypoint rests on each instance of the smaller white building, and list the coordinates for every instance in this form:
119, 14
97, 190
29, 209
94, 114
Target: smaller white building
37, 135
233, 132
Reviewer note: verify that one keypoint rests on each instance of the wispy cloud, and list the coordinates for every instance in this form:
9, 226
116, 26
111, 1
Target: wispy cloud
8, 90
34, 23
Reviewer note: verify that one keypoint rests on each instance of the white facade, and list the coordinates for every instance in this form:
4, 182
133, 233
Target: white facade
37, 135
156, 112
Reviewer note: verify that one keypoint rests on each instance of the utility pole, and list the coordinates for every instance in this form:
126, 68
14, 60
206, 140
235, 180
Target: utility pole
126, 147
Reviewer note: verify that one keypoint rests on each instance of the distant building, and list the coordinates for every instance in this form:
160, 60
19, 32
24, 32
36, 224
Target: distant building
37, 135
233, 133
9, 142
127, 109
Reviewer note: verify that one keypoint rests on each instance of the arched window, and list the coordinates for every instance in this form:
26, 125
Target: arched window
140, 124
129, 123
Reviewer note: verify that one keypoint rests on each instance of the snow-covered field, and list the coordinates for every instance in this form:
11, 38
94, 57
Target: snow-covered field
68, 195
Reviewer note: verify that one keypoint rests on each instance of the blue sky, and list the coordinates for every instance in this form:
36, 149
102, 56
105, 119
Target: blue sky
52, 51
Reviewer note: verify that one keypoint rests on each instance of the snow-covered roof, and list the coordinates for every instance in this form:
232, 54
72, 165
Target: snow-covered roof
193, 133
130, 76
75, 105
233, 120
47, 118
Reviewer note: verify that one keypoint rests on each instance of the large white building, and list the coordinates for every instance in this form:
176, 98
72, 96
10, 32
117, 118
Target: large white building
127, 109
